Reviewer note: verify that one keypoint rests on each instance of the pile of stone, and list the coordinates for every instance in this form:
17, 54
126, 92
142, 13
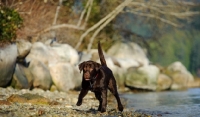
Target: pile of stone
49, 66
37, 102
54, 66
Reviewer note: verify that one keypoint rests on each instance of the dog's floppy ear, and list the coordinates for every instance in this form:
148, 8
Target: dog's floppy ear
97, 66
81, 65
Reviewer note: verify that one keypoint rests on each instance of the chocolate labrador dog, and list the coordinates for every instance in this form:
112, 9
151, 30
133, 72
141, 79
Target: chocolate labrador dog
98, 78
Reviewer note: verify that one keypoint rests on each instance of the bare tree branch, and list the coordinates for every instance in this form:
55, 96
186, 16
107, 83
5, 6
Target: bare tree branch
165, 11
149, 9
156, 17
83, 13
121, 6
180, 15
57, 12
102, 26
59, 26
189, 3
88, 13
77, 27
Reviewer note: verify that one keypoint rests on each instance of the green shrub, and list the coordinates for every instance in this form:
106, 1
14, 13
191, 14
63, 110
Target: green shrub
10, 21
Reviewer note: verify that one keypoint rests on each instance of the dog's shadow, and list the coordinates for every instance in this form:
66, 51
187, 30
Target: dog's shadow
91, 110
111, 112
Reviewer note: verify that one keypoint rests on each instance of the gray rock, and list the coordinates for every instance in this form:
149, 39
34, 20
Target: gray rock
51, 42
164, 82
37, 73
8, 57
40, 74
65, 76
23, 48
127, 63
19, 80
120, 76
66, 53
42, 53
144, 77
28, 75
128, 54
83, 56
180, 75
46, 59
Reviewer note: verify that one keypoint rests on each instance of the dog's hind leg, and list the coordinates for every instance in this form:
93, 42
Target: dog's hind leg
104, 100
113, 89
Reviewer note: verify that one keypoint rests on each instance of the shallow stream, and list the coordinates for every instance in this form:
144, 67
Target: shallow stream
166, 104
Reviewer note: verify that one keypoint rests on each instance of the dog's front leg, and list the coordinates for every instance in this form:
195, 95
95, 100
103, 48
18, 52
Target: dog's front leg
104, 101
98, 96
81, 96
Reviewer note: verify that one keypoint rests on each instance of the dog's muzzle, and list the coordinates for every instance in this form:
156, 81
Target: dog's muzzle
87, 76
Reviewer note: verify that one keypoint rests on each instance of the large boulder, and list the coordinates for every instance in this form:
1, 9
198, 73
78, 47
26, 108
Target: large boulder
53, 54
42, 57
180, 75
128, 54
94, 54
40, 74
19, 80
42, 53
120, 76
144, 77
65, 76
127, 63
164, 82
36, 75
23, 48
8, 56
83, 56
66, 53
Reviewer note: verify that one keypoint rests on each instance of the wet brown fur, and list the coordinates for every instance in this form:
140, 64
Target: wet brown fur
98, 78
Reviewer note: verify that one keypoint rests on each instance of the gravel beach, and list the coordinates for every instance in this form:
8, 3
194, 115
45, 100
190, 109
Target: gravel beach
37, 102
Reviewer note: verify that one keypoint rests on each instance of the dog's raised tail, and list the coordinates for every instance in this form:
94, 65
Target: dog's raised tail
101, 56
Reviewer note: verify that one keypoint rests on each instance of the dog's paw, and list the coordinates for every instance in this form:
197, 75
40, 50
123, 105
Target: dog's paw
99, 109
121, 108
79, 103
103, 110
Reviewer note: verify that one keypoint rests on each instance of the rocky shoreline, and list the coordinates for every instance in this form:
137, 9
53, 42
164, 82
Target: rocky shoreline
37, 102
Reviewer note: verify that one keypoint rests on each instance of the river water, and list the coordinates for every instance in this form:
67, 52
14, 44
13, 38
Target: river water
166, 104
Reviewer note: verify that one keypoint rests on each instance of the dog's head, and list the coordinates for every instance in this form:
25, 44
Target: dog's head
89, 69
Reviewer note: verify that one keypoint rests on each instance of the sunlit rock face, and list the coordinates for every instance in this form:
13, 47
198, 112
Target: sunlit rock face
180, 75
144, 77
8, 56
128, 54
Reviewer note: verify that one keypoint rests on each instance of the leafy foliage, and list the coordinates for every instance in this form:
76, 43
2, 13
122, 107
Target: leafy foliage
173, 46
195, 54
9, 23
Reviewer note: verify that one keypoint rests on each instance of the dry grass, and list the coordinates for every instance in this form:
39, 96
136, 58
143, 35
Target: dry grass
37, 15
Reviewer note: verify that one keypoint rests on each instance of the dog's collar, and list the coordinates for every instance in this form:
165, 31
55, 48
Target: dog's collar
92, 84
95, 77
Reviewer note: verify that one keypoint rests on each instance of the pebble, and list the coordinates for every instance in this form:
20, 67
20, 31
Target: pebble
62, 104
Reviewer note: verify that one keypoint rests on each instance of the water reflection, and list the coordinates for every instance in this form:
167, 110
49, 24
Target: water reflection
179, 103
